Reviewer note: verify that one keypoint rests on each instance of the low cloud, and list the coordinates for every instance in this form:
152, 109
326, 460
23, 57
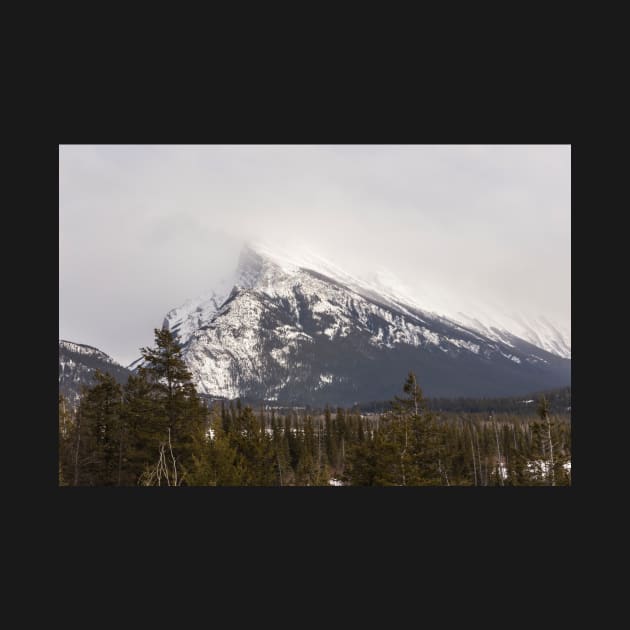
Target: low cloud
143, 228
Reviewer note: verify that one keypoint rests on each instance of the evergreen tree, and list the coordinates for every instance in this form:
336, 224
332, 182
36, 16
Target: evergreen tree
254, 445
406, 449
178, 412
215, 461
100, 437
157, 431
330, 439
145, 420
282, 453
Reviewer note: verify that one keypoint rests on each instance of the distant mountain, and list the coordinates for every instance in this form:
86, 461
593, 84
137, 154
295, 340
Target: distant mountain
304, 331
77, 364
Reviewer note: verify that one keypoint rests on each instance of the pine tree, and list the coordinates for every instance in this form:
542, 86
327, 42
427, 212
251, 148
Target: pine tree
145, 420
253, 444
406, 448
281, 453
215, 461
331, 441
342, 434
100, 434
178, 412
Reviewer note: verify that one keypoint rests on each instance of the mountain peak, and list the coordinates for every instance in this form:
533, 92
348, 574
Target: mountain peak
305, 330
254, 261
262, 257
289, 259
270, 278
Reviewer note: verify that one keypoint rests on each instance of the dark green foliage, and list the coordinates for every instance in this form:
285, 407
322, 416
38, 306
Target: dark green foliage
123, 435
145, 422
99, 435
406, 449
155, 430
216, 460
177, 412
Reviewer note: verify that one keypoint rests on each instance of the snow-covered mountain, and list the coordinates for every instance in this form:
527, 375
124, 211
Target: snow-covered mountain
77, 364
299, 329
492, 320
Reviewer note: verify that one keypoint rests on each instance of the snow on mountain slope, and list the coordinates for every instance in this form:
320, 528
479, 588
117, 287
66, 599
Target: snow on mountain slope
197, 312
77, 365
292, 326
554, 338
85, 350
492, 320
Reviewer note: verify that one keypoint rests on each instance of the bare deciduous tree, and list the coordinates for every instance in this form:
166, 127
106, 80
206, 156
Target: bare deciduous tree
162, 470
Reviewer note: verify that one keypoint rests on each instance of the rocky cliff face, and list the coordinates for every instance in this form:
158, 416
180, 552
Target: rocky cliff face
303, 331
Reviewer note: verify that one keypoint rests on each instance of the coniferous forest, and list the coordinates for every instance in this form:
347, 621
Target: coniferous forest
156, 430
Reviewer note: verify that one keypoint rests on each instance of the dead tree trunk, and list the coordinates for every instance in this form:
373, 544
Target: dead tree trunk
499, 469
551, 460
472, 447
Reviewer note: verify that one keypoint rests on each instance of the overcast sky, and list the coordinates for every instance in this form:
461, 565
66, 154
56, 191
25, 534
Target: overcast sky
143, 228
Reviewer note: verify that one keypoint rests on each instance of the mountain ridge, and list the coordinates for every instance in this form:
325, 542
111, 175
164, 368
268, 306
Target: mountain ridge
77, 365
283, 328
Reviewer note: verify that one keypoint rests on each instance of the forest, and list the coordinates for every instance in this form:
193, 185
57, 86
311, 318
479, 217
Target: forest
156, 430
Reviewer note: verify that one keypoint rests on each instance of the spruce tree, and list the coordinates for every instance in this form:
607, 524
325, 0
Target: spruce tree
145, 421
255, 448
178, 411
281, 453
100, 434
405, 450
